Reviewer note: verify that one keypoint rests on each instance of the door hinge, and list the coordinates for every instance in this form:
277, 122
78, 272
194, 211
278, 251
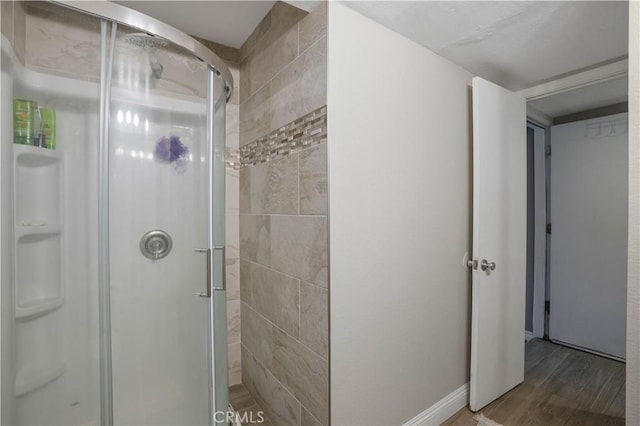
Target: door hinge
547, 307
547, 151
549, 228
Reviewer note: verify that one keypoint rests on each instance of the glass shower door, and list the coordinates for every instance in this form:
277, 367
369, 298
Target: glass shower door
161, 263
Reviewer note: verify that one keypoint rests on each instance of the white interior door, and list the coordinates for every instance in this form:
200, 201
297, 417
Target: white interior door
588, 262
499, 240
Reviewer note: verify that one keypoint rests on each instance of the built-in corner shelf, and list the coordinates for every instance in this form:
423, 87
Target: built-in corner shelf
35, 156
35, 308
33, 377
38, 231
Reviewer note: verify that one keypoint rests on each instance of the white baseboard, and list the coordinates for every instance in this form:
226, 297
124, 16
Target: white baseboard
528, 336
443, 409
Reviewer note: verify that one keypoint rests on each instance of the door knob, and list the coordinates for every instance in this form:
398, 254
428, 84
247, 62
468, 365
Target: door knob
484, 265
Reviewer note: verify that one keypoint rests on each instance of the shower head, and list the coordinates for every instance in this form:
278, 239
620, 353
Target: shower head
149, 44
145, 41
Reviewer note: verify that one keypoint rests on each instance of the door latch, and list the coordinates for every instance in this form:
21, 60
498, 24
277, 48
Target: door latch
484, 265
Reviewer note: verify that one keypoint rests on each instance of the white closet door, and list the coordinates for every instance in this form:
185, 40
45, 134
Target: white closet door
588, 275
499, 239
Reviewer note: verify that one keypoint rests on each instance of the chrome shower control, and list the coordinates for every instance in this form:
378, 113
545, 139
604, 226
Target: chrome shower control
155, 244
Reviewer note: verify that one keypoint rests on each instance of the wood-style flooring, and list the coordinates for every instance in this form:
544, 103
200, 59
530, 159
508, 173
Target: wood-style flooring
562, 386
246, 406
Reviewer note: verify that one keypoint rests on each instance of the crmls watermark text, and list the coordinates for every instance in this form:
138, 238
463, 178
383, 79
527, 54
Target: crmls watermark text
230, 417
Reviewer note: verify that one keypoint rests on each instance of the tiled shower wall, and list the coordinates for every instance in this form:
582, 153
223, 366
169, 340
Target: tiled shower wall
283, 215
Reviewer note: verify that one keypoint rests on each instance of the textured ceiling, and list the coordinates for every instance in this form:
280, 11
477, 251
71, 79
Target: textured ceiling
512, 43
516, 44
225, 22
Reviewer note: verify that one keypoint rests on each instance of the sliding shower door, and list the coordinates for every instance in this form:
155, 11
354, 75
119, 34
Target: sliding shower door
162, 258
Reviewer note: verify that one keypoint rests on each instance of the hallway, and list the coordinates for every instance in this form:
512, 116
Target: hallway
562, 386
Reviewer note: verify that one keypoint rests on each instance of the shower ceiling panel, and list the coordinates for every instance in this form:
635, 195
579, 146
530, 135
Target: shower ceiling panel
226, 22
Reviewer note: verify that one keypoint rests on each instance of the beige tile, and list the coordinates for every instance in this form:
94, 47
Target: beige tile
307, 419
233, 236
240, 398
275, 296
301, 87
234, 357
20, 31
235, 377
232, 272
257, 335
299, 247
234, 67
303, 372
232, 255
254, 415
273, 186
6, 20
245, 281
232, 130
259, 33
232, 191
243, 92
281, 18
233, 250
264, 64
313, 180
233, 321
244, 201
226, 53
313, 26
255, 238
314, 323
280, 405
255, 116
60, 41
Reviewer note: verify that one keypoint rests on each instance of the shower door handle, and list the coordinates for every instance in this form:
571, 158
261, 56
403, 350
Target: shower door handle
220, 273
207, 251
221, 265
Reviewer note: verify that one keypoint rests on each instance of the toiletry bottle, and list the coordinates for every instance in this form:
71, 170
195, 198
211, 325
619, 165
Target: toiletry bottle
48, 117
38, 136
23, 117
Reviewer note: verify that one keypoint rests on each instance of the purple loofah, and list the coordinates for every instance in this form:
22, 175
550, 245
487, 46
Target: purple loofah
171, 149
163, 151
178, 149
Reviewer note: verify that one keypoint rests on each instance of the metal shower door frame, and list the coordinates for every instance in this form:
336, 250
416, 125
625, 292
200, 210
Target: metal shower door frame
216, 327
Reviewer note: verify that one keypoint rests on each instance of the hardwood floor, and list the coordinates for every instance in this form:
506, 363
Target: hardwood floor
246, 406
562, 386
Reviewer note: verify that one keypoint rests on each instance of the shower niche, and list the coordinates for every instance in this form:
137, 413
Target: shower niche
38, 267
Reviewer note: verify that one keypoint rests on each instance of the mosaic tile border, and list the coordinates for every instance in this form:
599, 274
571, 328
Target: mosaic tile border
305, 132
232, 159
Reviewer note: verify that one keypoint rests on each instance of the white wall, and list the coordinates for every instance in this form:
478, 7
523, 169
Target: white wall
588, 257
633, 271
399, 156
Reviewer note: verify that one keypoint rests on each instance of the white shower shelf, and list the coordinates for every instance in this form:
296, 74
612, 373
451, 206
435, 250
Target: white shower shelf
35, 376
45, 229
36, 308
35, 156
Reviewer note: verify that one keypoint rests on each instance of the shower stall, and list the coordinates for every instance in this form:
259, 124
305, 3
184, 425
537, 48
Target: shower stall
113, 304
